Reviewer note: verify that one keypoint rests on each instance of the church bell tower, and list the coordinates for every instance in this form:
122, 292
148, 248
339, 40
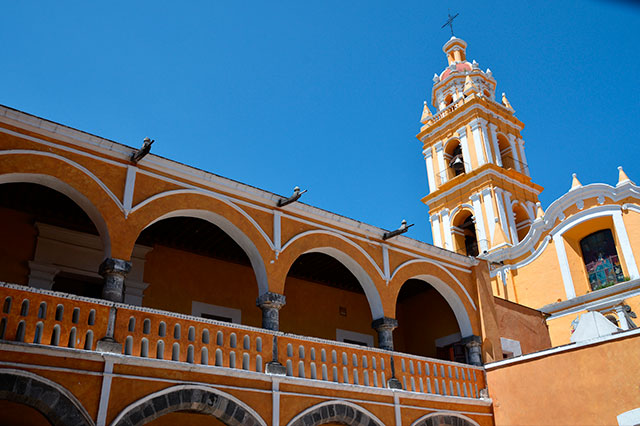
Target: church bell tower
481, 196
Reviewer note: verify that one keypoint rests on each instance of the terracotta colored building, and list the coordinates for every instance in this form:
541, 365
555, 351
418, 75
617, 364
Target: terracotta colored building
138, 290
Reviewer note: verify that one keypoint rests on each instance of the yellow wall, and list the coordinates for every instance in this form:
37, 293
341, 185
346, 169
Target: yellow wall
523, 324
540, 282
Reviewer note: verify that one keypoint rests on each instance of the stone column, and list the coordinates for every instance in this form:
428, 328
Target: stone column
270, 303
385, 326
474, 349
114, 272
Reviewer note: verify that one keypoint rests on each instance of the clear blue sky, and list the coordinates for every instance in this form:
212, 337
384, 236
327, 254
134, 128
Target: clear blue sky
327, 95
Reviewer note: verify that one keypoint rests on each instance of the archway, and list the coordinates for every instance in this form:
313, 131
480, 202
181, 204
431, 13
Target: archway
189, 399
427, 326
444, 419
53, 236
329, 295
55, 403
219, 270
522, 220
454, 158
506, 154
335, 412
465, 238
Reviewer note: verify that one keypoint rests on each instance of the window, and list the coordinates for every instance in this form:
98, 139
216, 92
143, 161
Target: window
215, 312
354, 338
601, 259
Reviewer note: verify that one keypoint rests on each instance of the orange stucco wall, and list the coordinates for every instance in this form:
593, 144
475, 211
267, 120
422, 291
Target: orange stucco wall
589, 385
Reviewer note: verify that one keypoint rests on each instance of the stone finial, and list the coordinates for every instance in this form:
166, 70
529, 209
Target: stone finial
622, 177
539, 211
488, 72
575, 183
469, 86
475, 65
505, 101
436, 78
426, 114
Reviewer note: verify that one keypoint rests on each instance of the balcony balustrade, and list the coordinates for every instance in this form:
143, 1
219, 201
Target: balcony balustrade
49, 318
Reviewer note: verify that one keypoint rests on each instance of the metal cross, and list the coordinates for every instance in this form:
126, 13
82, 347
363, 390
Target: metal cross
450, 22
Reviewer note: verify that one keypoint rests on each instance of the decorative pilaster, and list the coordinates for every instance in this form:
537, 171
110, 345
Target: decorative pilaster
270, 303
477, 142
514, 152
385, 326
496, 147
435, 230
428, 158
446, 228
464, 144
442, 167
473, 345
114, 272
479, 219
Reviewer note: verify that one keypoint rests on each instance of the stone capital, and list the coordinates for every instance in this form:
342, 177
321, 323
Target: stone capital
114, 266
385, 323
271, 300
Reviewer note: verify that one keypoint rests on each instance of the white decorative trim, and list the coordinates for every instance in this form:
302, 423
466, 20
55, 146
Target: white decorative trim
464, 144
129, 188
105, 392
333, 402
477, 142
629, 418
445, 413
199, 308
510, 217
431, 177
385, 263
487, 200
569, 289
477, 212
446, 228
514, 152
441, 165
625, 244
436, 232
342, 335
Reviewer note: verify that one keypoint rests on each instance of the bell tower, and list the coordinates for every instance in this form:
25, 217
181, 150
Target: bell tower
481, 196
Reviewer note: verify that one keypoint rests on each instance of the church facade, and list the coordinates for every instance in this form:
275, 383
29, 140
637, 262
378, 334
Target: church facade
138, 290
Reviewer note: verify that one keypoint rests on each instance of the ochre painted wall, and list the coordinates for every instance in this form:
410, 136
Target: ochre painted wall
314, 310
590, 385
421, 320
17, 247
526, 325
540, 282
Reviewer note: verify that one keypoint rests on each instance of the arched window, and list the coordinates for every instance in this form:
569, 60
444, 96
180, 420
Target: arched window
601, 259
506, 154
464, 230
455, 160
522, 219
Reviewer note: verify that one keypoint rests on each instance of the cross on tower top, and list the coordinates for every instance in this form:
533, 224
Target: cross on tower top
450, 22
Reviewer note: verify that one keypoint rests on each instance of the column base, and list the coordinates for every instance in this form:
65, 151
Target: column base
275, 368
394, 383
107, 344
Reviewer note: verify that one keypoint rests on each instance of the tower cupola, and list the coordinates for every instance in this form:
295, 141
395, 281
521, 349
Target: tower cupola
456, 50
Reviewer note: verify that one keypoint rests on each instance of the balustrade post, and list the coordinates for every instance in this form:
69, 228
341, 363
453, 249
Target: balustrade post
473, 345
274, 366
385, 326
108, 343
393, 382
114, 272
270, 303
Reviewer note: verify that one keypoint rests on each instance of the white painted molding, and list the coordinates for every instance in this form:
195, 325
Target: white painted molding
561, 252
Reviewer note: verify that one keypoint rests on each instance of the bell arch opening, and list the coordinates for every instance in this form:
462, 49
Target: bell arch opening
464, 233
454, 158
506, 154
199, 264
427, 324
522, 220
331, 297
53, 237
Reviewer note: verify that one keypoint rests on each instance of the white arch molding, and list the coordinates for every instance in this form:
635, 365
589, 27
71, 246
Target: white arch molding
76, 196
257, 263
456, 305
423, 420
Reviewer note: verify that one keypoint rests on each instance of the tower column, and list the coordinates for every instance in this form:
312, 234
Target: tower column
514, 152
477, 142
446, 229
480, 229
511, 218
435, 230
504, 223
442, 173
485, 138
428, 158
487, 199
523, 157
464, 144
494, 140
